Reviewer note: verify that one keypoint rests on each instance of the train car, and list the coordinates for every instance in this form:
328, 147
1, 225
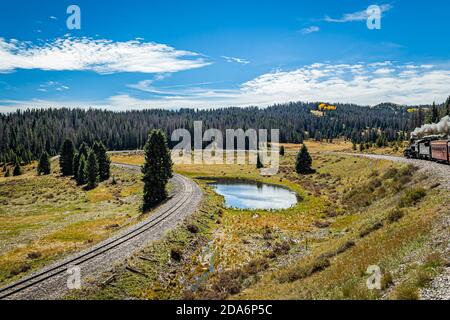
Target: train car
440, 150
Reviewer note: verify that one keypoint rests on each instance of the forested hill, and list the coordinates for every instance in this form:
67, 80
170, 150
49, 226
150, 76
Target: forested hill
28, 133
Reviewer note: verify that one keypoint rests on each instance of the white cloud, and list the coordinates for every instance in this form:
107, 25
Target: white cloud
53, 18
383, 71
235, 60
309, 30
356, 16
360, 83
102, 56
52, 85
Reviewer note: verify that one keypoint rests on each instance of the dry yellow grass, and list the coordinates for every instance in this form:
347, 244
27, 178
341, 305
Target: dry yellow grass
45, 217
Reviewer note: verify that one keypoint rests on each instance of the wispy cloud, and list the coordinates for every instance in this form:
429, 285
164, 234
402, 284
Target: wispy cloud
362, 83
235, 60
310, 29
52, 85
102, 56
356, 16
53, 18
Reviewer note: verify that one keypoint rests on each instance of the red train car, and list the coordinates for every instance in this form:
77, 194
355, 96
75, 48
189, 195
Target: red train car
440, 150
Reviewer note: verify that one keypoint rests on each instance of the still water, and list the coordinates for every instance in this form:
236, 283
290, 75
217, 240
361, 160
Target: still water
254, 195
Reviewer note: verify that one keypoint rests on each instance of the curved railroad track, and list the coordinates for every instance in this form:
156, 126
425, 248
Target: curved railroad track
51, 281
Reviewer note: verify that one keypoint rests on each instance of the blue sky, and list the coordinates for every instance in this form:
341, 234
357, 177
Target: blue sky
170, 54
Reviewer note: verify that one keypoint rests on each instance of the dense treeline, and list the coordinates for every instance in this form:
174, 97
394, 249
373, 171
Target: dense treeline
26, 134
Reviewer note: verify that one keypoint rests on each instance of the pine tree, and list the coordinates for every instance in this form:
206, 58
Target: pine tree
81, 177
83, 151
44, 166
66, 158
104, 163
259, 164
282, 151
17, 169
362, 147
446, 108
157, 169
92, 170
7, 173
304, 161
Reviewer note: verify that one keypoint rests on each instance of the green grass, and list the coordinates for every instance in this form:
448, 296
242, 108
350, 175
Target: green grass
51, 216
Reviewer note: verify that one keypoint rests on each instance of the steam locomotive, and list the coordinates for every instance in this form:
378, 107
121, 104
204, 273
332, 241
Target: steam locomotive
434, 148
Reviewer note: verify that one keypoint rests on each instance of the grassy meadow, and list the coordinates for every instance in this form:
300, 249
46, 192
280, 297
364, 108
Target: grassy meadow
43, 218
355, 213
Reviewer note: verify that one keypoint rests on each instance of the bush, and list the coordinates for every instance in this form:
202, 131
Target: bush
412, 197
371, 229
279, 248
321, 224
406, 292
176, 254
395, 215
256, 265
20, 269
302, 272
34, 255
229, 282
192, 228
386, 280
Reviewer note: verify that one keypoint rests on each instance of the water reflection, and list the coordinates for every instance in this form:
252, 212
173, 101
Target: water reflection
254, 195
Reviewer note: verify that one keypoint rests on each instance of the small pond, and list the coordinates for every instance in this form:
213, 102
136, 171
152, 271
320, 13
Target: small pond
242, 194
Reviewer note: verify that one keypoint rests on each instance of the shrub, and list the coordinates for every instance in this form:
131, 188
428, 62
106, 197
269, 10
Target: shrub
229, 282
395, 215
386, 280
321, 224
34, 255
256, 265
371, 229
406, 292
319, 264
192, 228
176, 254
20, 269
412, 197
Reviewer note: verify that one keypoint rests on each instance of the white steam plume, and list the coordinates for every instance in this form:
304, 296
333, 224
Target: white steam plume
442, 127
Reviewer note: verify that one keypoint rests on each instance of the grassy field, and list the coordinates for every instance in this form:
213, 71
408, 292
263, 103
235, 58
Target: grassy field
355, 213
43, 218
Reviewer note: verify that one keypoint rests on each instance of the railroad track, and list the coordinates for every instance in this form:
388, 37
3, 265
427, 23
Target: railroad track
51, 282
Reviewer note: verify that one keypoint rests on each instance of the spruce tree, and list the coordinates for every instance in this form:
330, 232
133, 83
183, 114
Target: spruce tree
17, 169
104, 163
44, 166
66, 158
157, 169
304, 161
92, 170
282, 151
81, 177
259, 164
446, 109
83, 151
